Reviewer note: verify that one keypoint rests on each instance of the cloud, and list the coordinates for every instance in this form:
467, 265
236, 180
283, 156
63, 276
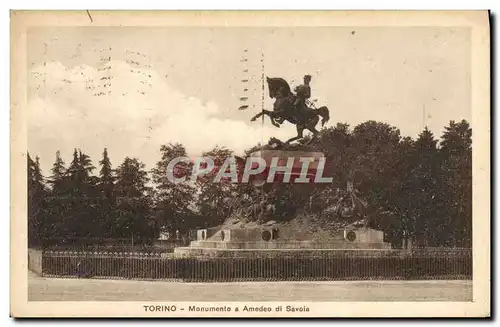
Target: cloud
130, 111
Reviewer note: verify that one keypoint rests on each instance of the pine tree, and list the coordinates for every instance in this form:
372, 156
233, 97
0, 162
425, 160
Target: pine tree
37, 208
85, 165
133, 211
90, 218
456, 152
106, 175
58, 177
73, 174
107, 196
79, 171
74, 165
37, 173
58, 200
82, 218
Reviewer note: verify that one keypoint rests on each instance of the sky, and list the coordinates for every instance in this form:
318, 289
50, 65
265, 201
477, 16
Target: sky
132, 89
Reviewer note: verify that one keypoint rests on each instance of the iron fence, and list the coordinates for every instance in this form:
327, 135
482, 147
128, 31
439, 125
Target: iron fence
110, 245
323, 267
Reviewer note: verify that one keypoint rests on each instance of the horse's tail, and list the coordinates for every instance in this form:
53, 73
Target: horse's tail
324, 113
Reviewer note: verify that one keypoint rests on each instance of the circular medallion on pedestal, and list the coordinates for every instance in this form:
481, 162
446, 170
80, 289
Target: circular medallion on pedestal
351, 236
266, 235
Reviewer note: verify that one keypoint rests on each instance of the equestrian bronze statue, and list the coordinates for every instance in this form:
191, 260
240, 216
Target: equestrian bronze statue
293, 107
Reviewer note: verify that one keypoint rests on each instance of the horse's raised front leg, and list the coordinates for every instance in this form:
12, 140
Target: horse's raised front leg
257, 116
270, 114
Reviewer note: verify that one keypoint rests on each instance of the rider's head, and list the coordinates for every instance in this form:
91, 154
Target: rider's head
307, 78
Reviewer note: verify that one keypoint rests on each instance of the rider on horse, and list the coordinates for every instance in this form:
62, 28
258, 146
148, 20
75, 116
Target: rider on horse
298, 101
293, 107
303, 92
280, 112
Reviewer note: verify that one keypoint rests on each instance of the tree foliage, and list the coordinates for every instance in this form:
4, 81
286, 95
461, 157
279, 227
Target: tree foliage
173, 201
426, 183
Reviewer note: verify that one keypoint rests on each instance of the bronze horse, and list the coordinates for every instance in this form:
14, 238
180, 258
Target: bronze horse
285, 110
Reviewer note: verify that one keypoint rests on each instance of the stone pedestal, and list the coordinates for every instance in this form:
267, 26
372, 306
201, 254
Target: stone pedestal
253, 240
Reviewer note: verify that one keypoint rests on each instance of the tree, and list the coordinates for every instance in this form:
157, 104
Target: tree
336, 145
456, 153
58, 178
401, 202
82, 215
74, 172
374, 147
37, 206
86, 168
133, 214
212, 201
173, 201
106, 175
58, 199
425, 191
106, 194
79, 172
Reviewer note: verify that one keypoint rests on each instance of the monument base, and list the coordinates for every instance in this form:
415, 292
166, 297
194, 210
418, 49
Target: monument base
271, 241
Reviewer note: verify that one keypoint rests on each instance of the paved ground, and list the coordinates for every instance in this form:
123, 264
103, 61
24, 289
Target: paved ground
51, 289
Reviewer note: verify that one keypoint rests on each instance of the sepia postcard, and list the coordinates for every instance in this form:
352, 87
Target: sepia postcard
250, 164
